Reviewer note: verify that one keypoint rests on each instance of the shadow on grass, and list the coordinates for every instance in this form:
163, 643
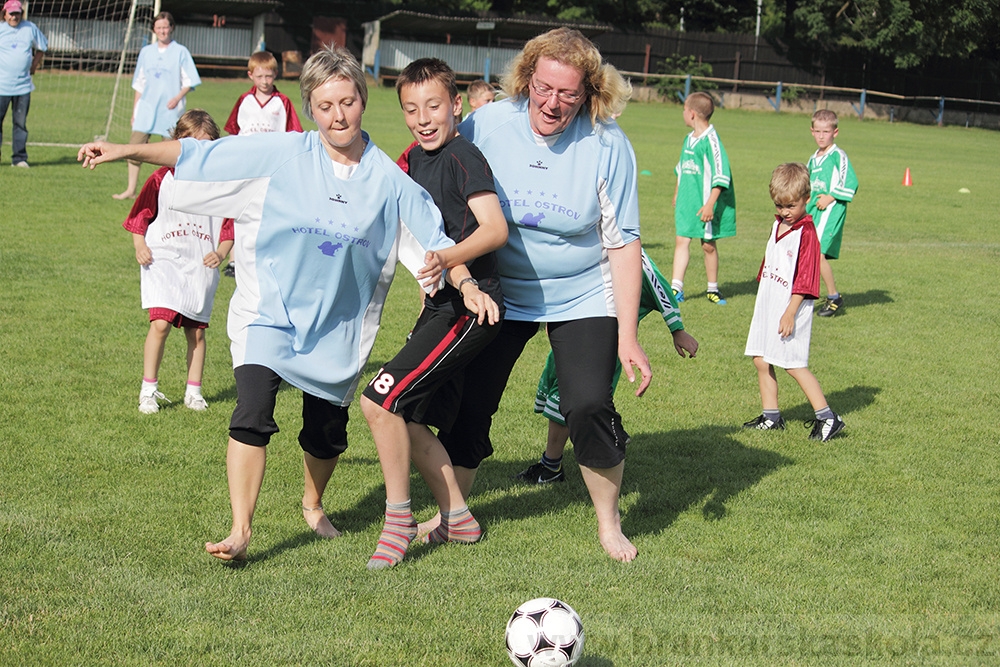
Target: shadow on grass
872, 297
843, 402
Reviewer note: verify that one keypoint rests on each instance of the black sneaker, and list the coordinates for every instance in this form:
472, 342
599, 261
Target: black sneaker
830, 307
538, 473
824, 429
716, 298
762, 423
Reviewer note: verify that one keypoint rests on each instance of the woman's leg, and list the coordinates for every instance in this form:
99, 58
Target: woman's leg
245, 472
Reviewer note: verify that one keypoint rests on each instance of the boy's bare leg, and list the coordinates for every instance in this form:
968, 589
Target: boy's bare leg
465, 477
245, 471
604, 485
434, 464
826, 273
555, 443
768, 382
392, 441
317, 474
682, 255
711, 261
810, 387
133, 183
152, 350
195, 353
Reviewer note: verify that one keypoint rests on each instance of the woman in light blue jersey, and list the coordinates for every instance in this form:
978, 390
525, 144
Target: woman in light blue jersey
566, 179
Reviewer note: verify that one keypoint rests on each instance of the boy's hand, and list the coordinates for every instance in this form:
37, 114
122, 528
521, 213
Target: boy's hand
481, 304
684, 342
706, 212
823, 201
212, 259
430, 274
143, 255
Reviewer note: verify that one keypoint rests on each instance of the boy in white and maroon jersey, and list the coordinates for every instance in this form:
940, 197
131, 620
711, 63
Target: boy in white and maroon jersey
782, 316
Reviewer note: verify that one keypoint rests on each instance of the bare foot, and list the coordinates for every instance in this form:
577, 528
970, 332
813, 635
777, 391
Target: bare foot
617, 545
319, 522
423, 529
124, 195
231, 548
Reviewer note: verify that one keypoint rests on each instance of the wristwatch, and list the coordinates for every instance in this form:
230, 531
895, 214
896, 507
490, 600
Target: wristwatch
466, 280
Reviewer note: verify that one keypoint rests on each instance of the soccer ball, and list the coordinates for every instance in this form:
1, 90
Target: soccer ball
544, 633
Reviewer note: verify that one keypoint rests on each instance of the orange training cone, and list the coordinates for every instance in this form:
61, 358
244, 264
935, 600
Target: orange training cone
907, 181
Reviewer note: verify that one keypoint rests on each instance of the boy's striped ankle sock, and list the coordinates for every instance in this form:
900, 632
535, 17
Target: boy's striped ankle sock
456, 526
399, 531
552, 464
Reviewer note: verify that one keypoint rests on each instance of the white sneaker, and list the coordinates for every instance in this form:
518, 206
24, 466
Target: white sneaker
195, 402
148, 402
22, 164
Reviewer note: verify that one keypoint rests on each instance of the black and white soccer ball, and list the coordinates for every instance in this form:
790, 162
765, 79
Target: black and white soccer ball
544, 632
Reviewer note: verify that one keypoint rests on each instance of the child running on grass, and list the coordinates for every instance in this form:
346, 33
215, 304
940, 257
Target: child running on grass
782, 316
179, 254
656, 295
833, 186
421, 386
704, 201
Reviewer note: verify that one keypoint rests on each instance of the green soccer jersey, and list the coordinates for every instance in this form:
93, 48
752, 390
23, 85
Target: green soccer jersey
704, 165
831, 174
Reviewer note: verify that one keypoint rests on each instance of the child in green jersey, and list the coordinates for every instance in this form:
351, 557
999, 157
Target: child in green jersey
704, 202
833, 186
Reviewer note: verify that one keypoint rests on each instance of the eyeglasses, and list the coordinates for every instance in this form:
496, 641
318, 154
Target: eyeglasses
561, 95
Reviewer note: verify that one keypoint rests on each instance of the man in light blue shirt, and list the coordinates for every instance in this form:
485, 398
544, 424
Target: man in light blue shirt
22, 46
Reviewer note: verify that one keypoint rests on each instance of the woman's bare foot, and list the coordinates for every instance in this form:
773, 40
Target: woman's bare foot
423, 529
124, 195
617, 545
319, 522
233, 547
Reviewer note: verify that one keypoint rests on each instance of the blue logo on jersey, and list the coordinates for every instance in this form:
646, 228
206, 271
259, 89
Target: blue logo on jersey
532, 219
330, 249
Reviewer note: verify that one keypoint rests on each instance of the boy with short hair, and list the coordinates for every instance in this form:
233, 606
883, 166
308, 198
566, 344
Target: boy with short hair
422, 385
782, 315
262, 108
704, 201
480, 93
833, 186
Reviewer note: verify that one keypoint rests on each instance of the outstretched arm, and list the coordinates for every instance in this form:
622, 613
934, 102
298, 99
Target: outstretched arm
626, 281
163, 153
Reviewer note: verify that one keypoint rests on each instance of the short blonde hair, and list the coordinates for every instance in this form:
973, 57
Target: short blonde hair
790, 183
192, 121
480, 88
825, 116
606, 90
263, 59
701, 103
330, 62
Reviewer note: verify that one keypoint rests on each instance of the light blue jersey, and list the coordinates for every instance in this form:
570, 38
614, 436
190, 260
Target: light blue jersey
16, 46
566, 202
159, 76
316, 252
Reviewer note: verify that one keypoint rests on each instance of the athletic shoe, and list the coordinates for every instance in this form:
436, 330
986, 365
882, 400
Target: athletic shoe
538, 473
229, 271
22, 164
716, 298
762, 423
830, 307
678, 295
195, 402
148, 402
824, 429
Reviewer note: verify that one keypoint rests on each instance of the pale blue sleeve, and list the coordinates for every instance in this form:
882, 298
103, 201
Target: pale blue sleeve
188, 67
622, 192
40, 43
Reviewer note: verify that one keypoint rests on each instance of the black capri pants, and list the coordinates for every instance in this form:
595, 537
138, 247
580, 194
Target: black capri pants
585, 351
324, 425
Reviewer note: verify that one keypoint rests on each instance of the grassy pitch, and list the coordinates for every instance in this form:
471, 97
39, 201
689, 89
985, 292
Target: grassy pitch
879, 547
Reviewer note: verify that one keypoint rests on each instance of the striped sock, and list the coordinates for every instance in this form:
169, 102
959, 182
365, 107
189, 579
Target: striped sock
456, 526
399, 531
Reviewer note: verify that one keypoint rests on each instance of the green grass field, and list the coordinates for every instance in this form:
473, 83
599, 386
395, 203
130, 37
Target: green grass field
880, 547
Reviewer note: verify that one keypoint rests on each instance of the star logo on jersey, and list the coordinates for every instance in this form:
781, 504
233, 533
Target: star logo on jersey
337, 198
538, 165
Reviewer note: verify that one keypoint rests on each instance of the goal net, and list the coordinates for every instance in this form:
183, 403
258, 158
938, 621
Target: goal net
83, 89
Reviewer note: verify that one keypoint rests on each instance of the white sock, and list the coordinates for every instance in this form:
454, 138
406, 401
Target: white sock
677, 285
193, 389
149, 387
713, 287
